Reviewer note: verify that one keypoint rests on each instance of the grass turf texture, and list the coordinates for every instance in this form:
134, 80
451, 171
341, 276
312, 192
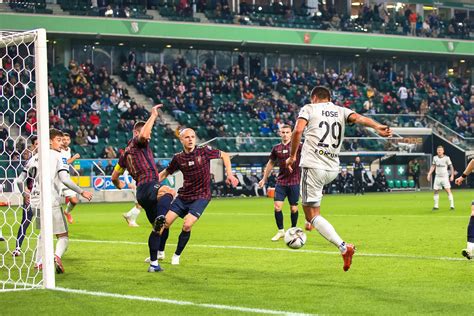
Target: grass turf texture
413, 276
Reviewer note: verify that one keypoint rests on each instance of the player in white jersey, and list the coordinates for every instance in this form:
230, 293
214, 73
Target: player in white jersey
324, 123
442, 180
60, 176
469, 251
131, 216
70, 195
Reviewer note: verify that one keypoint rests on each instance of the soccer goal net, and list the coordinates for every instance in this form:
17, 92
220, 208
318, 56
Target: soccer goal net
24, 131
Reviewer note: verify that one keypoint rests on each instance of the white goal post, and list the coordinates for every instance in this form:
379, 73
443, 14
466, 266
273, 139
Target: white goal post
24, 91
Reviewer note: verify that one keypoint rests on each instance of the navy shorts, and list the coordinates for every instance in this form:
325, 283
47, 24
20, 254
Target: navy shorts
292, 192
146, 197
183, 208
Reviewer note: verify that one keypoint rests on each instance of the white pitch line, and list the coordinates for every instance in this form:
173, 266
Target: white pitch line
182, 303
347, 215
382, 255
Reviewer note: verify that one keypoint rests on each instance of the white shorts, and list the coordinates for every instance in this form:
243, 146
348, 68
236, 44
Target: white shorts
69, 193
59, 221
441, 183
312, 183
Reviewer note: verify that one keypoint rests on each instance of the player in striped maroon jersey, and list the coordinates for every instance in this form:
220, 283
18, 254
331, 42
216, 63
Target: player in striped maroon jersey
287, 185
195, 194
138, 159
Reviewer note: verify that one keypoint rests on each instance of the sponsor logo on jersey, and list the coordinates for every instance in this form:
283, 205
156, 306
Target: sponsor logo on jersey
64, 161
326, 153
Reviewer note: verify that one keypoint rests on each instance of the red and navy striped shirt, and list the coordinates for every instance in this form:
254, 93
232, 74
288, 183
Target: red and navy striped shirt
196, 169
138, 159
279, 155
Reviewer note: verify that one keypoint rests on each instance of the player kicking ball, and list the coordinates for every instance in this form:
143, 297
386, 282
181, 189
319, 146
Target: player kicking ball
469, 251
60, 176
138, 159
195, 194
70, 195
288, 183
441, 162
324, 123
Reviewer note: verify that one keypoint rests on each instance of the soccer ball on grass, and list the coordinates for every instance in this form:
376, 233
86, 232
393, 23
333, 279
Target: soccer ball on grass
295, 238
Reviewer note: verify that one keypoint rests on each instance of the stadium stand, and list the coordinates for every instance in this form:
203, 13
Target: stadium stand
369, 18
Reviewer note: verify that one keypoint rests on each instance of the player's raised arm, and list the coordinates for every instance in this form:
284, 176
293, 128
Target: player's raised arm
382, 130
228, 169
145, 132
295, 141
66, 180
466, 172
266, 172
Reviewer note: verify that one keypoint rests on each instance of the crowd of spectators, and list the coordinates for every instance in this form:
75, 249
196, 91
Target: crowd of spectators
272, 97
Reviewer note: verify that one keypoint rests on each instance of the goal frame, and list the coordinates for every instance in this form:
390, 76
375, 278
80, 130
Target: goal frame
42, 112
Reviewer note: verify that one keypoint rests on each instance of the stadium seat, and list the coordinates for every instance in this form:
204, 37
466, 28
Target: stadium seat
398, 184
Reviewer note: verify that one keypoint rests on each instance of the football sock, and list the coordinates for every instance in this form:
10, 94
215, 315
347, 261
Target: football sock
327, 231
182, 241
154, 263
451, 199
25, 222
436, 200
294, 219
164, 238
153, 245
133, 214
279, 219
39, 250
70, 207
164, 204
470, 234
61, 246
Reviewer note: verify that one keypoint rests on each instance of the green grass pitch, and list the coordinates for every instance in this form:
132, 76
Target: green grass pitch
407, 262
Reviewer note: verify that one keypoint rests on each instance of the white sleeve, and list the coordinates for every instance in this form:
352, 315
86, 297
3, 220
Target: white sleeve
449, 161
304, 113
126, 177
62, 164
347, 112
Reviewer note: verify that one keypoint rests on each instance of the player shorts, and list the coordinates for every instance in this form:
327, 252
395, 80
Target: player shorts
441, 183
147, 198
292, 192
59, 221
69, 193
312, 183
183, 208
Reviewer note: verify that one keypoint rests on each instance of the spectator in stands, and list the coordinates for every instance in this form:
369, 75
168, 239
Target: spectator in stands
94, 119
239, 140
249, 140
359, 171
403, 96
81, 139
109, 168
265, 130
109, 153
413, 18
97, 168
92, 138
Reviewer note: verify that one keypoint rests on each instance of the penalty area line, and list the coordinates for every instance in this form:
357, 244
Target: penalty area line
379, 255
180, 303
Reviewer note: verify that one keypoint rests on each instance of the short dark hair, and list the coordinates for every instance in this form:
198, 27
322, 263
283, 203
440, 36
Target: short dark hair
286, 126
54, 132
440, 146
138, 125
33, 139
321, 93
66, 135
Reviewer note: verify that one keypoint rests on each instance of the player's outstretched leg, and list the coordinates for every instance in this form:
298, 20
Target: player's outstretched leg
279, 222
327, 231
27, 216
153, 246
436, 200
469, 251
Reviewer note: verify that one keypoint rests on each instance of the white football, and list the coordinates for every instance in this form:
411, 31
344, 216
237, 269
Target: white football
295, 238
